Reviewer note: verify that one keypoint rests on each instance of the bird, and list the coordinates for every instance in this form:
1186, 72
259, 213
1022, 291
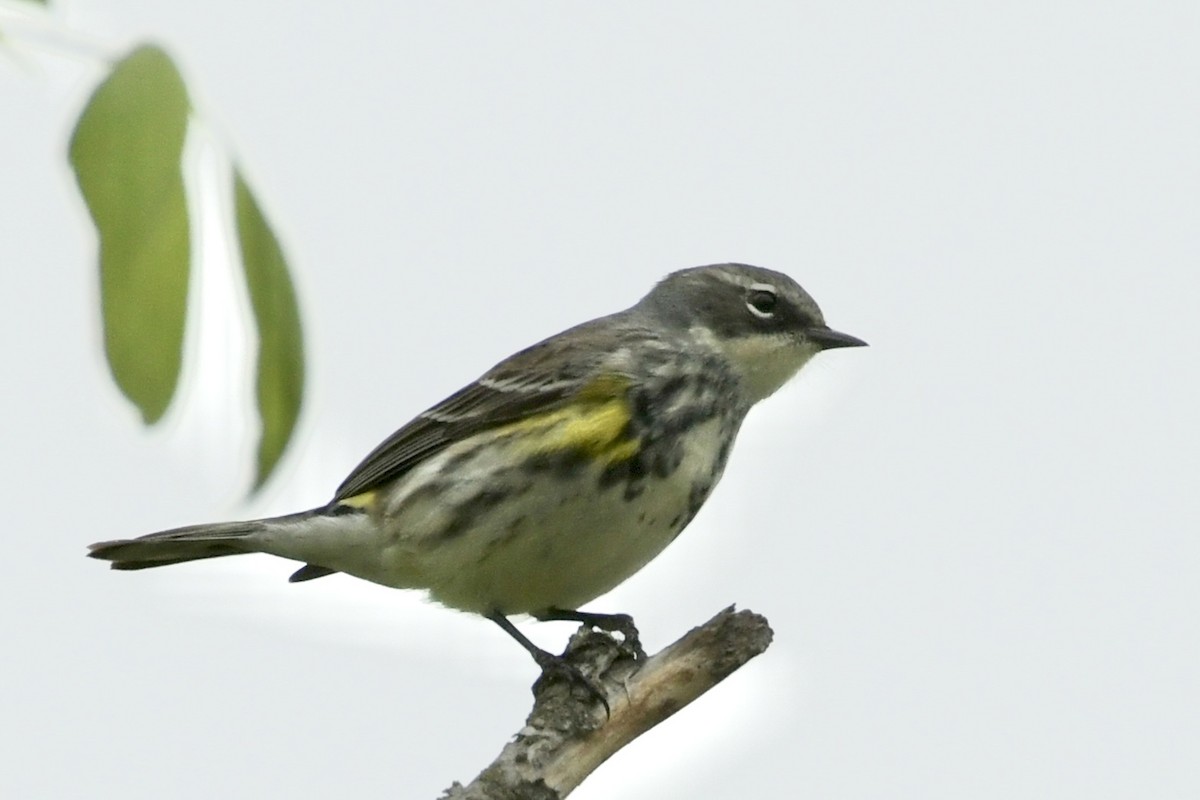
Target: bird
558, 473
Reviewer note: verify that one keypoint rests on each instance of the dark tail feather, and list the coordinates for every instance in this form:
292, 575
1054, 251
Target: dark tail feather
179, 545
310, 572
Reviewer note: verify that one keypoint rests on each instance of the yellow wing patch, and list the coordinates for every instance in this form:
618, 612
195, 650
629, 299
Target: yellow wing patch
365, 500
594, 423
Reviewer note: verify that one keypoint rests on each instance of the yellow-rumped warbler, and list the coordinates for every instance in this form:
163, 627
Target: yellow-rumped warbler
560, 472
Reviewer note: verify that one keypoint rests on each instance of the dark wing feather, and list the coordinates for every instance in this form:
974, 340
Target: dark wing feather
481, 407
536, 379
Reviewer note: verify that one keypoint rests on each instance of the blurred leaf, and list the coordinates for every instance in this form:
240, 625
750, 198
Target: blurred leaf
126, 151
281, 345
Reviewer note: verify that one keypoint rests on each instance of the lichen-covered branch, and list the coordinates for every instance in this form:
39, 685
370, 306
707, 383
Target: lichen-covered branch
568, 734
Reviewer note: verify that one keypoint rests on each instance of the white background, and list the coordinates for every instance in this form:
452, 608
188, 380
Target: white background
976, 540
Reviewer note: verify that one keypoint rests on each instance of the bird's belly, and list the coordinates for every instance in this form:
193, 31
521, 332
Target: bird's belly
546, 539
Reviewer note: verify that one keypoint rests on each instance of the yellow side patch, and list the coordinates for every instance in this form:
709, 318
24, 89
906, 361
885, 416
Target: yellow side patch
604, 387
594, 424
364, 500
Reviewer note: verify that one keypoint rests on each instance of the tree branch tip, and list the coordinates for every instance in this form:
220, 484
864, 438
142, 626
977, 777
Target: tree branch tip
568, 735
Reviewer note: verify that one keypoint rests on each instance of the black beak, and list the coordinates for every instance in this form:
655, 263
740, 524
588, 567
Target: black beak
827, 338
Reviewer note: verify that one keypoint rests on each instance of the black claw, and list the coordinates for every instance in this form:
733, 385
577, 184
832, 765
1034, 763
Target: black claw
609, 623
623, 624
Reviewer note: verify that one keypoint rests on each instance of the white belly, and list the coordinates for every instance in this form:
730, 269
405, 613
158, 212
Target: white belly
563, 542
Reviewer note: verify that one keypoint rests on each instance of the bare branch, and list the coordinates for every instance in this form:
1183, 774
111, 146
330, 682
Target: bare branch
567, 736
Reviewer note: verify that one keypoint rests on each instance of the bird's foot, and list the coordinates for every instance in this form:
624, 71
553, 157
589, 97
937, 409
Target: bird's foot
554, 668
609, 623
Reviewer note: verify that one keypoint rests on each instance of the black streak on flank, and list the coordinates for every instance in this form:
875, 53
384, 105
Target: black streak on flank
563, 463
668, 459
696, 497
479, 504
630, 470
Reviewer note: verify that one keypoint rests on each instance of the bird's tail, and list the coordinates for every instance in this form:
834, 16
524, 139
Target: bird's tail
329, 539
179, 545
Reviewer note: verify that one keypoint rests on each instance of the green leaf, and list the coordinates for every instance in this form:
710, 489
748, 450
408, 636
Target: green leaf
126, 151
281, 346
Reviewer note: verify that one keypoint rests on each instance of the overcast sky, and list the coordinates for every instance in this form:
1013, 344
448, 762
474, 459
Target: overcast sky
976, 540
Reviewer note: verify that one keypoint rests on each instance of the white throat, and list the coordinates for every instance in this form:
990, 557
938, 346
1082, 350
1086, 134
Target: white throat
764, 363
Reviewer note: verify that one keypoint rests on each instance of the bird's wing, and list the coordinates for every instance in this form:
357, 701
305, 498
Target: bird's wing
534, 380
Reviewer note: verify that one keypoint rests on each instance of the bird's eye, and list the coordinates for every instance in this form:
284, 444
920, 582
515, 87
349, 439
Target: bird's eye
761, 303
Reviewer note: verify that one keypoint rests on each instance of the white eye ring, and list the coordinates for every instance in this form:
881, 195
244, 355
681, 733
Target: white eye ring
761, 300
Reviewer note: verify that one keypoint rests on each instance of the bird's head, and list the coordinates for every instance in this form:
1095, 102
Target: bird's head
761, 321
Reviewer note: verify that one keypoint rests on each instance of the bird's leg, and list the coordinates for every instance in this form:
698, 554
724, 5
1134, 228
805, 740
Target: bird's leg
610, 623
550, 663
